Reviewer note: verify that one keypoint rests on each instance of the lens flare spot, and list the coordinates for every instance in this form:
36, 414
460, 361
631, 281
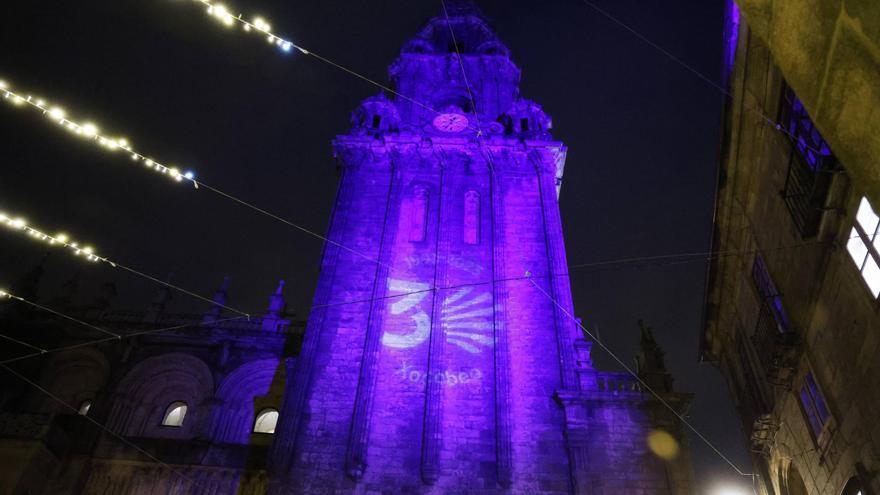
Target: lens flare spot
663, 445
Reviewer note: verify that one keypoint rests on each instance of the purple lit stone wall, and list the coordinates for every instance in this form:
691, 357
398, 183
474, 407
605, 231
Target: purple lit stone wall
446, 376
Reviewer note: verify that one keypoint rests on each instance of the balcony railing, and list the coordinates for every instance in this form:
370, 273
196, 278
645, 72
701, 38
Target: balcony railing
617, 382
806, 190
778, 350
810, 165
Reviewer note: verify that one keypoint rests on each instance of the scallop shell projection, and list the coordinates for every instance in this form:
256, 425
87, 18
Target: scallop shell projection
466, 317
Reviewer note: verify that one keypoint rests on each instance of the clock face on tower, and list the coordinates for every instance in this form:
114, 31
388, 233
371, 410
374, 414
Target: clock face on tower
451, 122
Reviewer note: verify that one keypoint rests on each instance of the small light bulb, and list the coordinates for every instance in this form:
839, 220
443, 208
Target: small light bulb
3, 85
18, 223
89, 129
56, 113
286, 46
3, 293
61, 238
40, 103
260, 24
189, 175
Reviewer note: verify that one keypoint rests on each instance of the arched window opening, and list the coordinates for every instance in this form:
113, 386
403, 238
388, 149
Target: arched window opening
454, 103
377, 121
266, 420
456, 47
853, 487
84, 407
175, 414
472, 217
507, 122
419, 214
524, 125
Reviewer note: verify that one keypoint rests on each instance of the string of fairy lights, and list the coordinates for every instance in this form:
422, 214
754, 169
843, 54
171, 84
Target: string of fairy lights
260, 26
61, 239
91, 132
64, 241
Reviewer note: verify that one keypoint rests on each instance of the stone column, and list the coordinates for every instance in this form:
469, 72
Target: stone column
356, 452
503, 448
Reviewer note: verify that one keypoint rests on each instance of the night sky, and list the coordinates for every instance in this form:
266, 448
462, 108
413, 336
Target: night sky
255, 122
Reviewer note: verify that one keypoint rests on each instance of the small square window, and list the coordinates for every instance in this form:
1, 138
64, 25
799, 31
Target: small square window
857, 249
814, 406
810, 411
863, 245
871, 274
867, 218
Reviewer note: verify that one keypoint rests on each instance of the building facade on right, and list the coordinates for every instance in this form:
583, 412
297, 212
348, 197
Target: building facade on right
792, 316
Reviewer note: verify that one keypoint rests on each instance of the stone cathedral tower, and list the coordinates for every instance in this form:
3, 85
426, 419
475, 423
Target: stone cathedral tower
435, 358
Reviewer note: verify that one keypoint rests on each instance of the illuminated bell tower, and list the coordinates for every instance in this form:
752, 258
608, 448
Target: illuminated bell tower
431, 361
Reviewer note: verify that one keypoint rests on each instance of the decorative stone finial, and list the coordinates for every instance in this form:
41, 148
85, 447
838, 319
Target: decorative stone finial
220, 298
650, 361
163, 295
276, 302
